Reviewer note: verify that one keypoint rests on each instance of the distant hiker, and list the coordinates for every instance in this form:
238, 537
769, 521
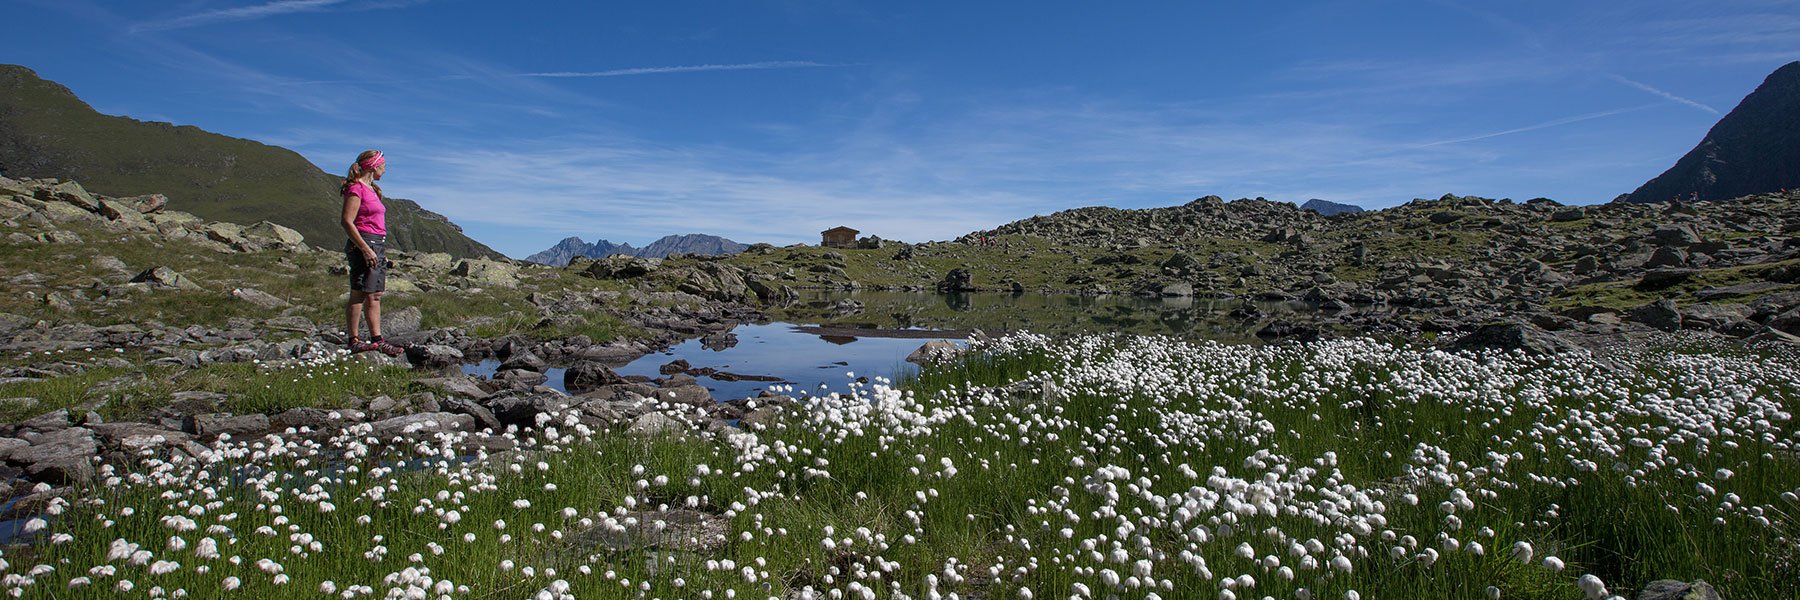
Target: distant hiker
365, 222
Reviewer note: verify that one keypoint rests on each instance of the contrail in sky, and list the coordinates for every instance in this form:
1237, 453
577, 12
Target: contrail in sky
1663, 94
1543, 125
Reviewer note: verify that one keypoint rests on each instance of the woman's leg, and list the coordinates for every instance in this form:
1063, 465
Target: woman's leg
353, 311
372, 312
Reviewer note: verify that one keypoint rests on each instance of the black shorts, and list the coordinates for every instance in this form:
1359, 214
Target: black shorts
364, 278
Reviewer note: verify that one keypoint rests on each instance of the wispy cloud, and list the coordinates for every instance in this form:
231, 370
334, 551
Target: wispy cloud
1662, 94
626, 72
1543, 125
773, 64
261, 11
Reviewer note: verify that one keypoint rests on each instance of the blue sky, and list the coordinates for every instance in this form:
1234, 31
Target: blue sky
528, 122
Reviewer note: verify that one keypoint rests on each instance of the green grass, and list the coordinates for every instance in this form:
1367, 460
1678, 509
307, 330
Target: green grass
1625, 295
250, 388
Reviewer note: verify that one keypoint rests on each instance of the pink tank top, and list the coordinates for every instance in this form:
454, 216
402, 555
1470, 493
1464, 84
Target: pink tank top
371, 216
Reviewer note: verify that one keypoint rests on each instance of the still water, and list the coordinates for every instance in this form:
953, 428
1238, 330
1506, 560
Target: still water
857, 337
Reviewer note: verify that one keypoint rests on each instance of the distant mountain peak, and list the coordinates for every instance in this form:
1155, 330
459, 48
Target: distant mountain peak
1754, 149
1328, 208
691, 243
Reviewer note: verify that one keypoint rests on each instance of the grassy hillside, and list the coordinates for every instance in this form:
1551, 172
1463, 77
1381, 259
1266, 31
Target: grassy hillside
46, 131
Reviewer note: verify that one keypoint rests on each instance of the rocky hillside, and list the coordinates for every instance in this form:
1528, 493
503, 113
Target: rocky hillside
1755, 149
697, 244
48, 132
1454, 263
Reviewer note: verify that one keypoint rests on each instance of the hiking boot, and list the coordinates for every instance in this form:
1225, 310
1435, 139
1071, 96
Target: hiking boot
358, 346
387, 348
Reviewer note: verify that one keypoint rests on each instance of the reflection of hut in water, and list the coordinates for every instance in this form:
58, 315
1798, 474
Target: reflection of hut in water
838, 237
838, 339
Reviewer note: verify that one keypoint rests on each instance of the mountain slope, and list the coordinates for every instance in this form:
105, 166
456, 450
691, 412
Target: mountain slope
1755, 149
46, 131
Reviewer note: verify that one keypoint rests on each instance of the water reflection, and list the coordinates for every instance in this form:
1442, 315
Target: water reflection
1222, 320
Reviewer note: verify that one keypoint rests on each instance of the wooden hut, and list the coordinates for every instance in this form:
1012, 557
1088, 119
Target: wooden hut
839, 237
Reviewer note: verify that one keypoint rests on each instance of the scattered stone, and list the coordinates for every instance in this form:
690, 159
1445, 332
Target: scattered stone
208, 427
434, 356
588, 375
654, 424
935, 351
401, 322
1514, 336
525, 361
1669, 589
431, 422
484, 418
164, 277
259, 298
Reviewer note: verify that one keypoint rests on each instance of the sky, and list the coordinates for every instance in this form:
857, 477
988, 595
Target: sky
770, 121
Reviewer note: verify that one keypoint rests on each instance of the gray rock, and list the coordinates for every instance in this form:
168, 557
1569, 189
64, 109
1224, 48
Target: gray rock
8, 445
1669, 589
401, 322
1668, 256
1514, 336
484, 418
520, 378
618, 267
587, 375
164, 277
673, 530
422, 423
488, 273
1675, 235
934, 351
434, 356
1661, 314
1564, 215
524, 360
61, 457
271, 233
259, 298
55, 420
1661, 278
1735, 291
461, 385
957, 280
690, 395
309, 418
211, 426
652, 424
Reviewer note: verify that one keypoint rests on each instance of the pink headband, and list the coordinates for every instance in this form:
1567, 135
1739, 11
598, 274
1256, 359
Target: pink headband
374, 161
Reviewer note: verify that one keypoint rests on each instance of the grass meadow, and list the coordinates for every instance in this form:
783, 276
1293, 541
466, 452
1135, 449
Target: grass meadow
1083, 467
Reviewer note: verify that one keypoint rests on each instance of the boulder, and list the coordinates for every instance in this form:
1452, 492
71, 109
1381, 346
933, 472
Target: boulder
935, 351
524, 360
520, 378
1572, 213
1661, 314
462, 385
422, 423
652, 424
403, 321
957, 280
434, 356
59, 457
259, 298
1675, 235
484, 418
271, 233
1514, 336
587, 375
71, 193
230, 234
488, 273
312, 418
1669, 589
1661, 278
164, 277
690, 394
685, 531
208, 427
1668, 256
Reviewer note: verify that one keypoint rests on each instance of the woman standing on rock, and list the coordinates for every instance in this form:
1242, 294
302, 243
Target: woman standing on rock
365, 221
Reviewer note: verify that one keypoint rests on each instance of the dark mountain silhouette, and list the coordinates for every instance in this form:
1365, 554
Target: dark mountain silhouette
1328, 208
1755, 149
